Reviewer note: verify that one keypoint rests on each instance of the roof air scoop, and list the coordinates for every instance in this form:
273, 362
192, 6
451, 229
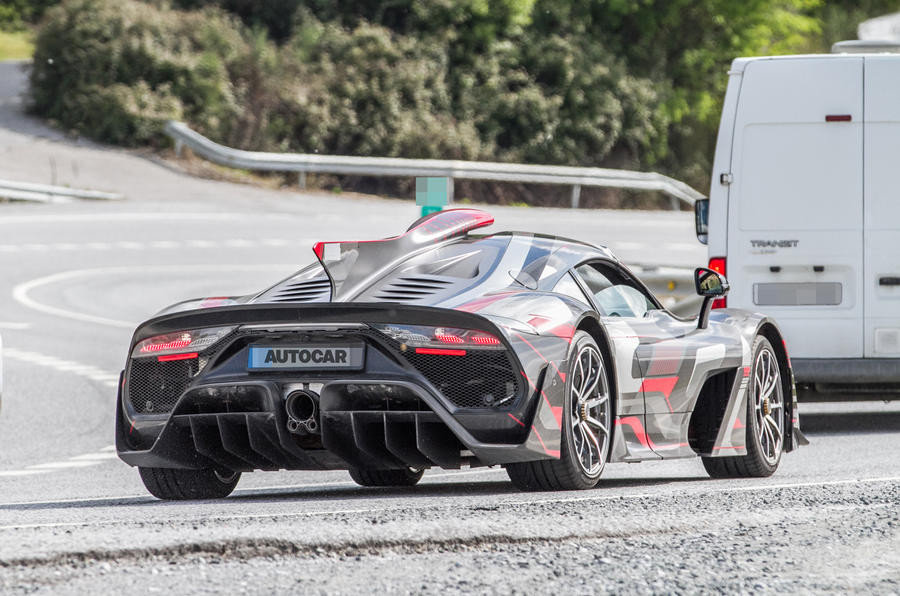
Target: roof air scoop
350, 265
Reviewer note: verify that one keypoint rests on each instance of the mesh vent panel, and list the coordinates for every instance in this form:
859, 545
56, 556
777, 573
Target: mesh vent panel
480, 379
154, 387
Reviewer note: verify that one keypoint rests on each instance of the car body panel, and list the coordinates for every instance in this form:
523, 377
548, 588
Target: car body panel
404, 408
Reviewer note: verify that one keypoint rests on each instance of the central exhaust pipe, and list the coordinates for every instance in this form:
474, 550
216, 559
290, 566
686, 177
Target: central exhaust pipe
302, 407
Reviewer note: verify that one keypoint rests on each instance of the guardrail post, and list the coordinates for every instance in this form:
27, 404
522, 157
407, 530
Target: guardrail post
301, 180
449, 191
676, 204
576, 195
179, 146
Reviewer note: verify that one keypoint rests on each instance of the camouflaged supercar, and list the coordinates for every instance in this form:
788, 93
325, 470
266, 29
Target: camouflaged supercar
444, 348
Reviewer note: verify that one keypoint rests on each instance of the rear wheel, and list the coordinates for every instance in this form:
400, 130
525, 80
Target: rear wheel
764, 421
179, 485
404, 477
586, 428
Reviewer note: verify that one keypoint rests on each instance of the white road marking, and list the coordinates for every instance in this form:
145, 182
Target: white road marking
139, 216
14, 325
15, 473
380, 510
255, 491
150, 245
108, 378
79, 461
21, 292
102, 455
60, 465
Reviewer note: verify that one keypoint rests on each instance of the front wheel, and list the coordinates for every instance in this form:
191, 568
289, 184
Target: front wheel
586, 426
765, 421
179, 485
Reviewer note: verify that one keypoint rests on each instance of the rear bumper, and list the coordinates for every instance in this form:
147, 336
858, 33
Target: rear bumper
847, 370
260, 440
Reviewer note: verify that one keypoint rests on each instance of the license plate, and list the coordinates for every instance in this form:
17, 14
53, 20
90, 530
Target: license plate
307, 357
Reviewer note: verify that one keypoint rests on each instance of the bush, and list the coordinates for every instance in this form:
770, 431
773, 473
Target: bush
114, 70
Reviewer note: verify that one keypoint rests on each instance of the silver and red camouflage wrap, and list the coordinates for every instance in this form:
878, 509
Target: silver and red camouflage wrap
438, 273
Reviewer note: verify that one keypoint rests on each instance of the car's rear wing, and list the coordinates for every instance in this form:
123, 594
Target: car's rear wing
350, 266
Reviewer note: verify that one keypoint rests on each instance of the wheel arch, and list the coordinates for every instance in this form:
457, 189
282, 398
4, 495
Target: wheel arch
768, 330
593, 327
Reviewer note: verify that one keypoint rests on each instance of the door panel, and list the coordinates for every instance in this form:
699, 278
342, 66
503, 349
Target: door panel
881, 284
795, 236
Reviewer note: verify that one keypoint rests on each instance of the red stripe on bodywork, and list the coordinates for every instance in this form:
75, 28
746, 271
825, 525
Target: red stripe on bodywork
643, 437
564, 331
746, 371
662, 385
547, 401
538, 352
738, 423
519, 422
557, 413
551, 452
479, 303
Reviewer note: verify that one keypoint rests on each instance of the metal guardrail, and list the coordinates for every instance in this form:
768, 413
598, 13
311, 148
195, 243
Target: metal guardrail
673, 286
465, 170
46, 193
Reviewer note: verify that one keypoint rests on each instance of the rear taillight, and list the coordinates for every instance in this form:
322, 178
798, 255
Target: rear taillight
181, 345
718, 265
445, 341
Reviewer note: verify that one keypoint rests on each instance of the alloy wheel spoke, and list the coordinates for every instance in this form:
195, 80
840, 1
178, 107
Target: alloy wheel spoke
774, 428
597, 424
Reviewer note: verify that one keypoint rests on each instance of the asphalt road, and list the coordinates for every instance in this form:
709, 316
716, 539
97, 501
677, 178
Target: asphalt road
76, 277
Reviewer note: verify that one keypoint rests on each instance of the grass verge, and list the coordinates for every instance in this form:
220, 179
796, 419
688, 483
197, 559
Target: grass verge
16, 45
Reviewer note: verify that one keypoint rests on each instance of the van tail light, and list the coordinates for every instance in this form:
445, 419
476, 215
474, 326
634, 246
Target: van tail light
717, 264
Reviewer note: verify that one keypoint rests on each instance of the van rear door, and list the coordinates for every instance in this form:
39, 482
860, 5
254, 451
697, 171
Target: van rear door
795, 221
882, 207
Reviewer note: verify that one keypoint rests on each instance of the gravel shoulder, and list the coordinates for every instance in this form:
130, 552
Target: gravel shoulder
837, 538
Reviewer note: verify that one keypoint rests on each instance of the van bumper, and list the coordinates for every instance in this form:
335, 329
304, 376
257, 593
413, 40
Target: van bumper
840, 379
846, 370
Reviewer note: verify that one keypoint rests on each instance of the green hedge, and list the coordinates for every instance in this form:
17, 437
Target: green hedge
624, 83
115, 70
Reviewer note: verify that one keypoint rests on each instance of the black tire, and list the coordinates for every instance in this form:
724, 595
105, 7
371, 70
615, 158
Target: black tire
180, 485
569, 472
762, 457
404, 477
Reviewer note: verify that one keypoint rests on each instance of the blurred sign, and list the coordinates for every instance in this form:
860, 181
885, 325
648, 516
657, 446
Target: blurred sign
432, 194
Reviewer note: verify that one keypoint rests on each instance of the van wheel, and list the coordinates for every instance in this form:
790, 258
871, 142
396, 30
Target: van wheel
764, 421
180, 485
586, 426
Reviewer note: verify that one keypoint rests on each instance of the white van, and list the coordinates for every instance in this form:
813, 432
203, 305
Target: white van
804, 213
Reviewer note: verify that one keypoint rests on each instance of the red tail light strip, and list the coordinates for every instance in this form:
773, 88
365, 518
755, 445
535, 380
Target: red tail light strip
440, 352
171, 357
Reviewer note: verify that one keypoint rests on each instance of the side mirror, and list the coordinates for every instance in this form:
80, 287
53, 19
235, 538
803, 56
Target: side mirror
701, 220
710, 285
